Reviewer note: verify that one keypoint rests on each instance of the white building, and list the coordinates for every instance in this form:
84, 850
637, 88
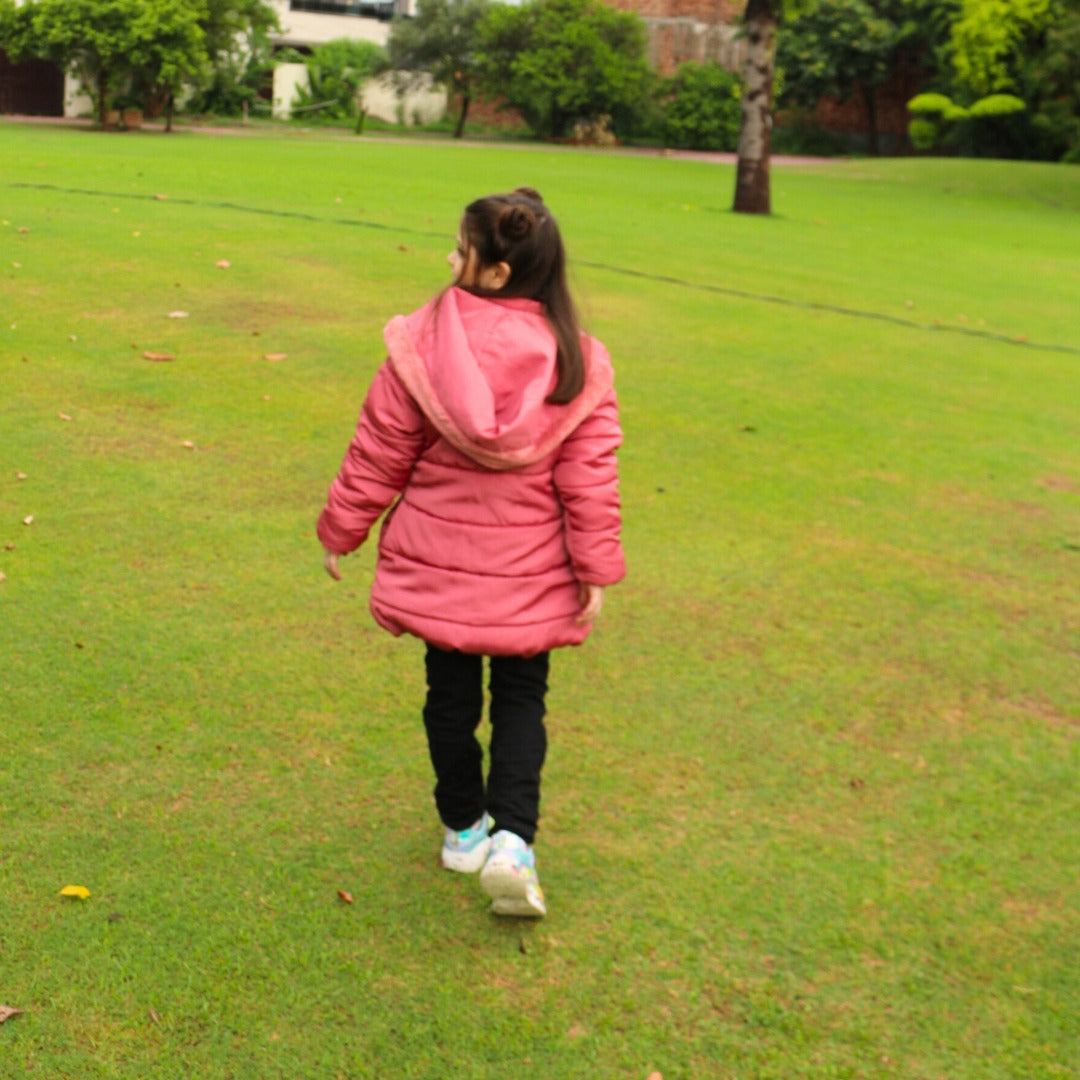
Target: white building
307, 23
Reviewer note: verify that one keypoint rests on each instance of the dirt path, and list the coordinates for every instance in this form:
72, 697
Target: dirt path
238, 129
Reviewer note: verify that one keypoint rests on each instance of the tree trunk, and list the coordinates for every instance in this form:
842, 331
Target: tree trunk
169, 112
102, 95
755, 134
466, 99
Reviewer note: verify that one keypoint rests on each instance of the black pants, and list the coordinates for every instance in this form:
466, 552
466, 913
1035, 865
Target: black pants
452, 713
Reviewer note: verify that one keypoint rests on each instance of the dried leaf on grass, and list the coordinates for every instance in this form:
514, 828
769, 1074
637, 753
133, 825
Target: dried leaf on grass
223, 264
63, 416
3, 576
187, 444
343, 895
77, 892
28, 520
162, 356
177, 315
154, 1015
276, 356
7, 1012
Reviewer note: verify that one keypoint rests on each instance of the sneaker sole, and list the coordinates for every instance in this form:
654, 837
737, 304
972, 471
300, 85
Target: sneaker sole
521, 909
466, 862
510, 894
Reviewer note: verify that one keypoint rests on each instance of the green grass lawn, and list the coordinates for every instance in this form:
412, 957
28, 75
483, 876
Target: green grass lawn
811, 803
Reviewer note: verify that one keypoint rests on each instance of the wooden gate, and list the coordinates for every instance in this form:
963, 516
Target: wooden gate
32, 88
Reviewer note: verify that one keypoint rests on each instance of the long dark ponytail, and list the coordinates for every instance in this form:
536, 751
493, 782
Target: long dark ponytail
519, 230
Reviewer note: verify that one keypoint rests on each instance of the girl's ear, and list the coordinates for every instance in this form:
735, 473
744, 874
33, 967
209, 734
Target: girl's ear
494, 277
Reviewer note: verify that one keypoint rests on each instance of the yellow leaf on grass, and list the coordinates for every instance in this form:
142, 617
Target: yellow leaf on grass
80, 892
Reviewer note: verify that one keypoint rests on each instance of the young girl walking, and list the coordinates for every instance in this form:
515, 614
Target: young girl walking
493, 424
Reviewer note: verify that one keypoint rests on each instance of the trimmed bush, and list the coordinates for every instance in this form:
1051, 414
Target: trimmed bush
996, 105
929, 105
986, 127
924, 133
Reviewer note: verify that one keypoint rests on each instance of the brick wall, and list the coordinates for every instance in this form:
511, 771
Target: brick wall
892, 116
688, 31
712, 12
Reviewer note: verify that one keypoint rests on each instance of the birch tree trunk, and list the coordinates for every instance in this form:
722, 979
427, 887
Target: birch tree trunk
752, 194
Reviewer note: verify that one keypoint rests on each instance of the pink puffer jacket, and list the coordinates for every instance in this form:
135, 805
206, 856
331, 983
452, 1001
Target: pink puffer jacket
506, 502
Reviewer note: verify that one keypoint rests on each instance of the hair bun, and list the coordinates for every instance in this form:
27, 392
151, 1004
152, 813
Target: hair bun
516, 222
530, 193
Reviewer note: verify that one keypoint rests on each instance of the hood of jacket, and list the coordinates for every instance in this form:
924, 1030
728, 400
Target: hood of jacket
480, 369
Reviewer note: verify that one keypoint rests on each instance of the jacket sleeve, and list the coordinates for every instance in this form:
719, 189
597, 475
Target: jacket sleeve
390, 436
587, 480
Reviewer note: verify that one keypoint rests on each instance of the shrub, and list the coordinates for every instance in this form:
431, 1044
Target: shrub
702, 108
929, 105
560, 61
336, 72
996, 105
990, 126
924, 133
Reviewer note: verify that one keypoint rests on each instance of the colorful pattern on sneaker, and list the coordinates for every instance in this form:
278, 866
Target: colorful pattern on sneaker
465, 851
509, 877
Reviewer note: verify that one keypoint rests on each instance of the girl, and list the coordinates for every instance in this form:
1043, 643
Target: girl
493, 423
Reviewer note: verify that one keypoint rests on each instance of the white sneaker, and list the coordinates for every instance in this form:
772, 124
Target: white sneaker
509, 877
466, 851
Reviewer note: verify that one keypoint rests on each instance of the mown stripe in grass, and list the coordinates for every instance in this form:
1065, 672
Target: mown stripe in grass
664, 279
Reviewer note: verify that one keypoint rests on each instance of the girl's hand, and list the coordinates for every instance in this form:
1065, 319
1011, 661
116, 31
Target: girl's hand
592, 600
330, 561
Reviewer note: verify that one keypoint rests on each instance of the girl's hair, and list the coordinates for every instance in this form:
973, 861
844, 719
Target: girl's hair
518, 229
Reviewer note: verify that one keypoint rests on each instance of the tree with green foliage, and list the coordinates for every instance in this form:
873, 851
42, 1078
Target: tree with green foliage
150, 46
1011, 74
441, 40
561, 61
168, 49
834, 50
1051, 81
1027, 48
16, 30
702, 107
990, 40
229, 25
239, 54
93, 38
337, 70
